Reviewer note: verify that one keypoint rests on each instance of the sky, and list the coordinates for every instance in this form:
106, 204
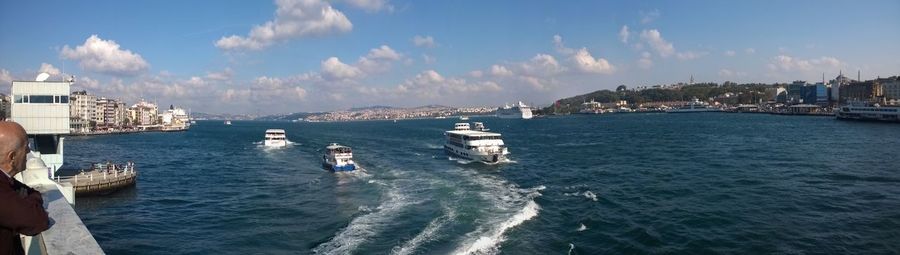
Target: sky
265, 57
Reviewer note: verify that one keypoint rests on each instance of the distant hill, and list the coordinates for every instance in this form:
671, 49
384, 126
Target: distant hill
287, 117
374, 107
224, 116
703, 91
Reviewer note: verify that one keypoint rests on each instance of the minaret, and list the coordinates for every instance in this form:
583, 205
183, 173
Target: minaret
692, 80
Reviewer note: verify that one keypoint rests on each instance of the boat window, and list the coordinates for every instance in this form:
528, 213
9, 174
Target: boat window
18, 99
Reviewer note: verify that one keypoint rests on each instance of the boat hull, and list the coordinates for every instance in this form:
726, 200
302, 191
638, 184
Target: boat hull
483, 157
336, 168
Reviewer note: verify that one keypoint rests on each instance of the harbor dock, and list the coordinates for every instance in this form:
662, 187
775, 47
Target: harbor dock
101, 179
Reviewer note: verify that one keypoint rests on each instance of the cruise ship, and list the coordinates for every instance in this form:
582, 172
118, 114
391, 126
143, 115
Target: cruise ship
517, 111
694, 106
866, 112
475, 144
275, 138
338, 158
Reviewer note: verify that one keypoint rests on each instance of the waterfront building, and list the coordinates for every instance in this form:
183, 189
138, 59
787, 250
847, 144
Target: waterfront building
83, 111
836, 86
42, 108
144, 114
862, 91
110, 113
891, 88
776, 95
795, 92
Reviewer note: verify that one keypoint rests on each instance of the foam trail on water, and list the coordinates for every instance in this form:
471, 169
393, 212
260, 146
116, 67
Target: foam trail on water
426, 235
488, 244
571, 248
364, 227
581, 228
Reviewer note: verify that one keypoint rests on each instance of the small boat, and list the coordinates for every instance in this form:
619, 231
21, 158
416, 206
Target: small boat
227, 122
275, 138
463, 117
338, 158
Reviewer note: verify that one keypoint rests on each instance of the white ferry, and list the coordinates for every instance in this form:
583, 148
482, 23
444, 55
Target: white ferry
275, 138
866, 112
694, 106
228, 122
517, 111
477, 144
338, 158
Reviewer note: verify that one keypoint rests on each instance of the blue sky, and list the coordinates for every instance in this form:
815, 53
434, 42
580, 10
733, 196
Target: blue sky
313, 55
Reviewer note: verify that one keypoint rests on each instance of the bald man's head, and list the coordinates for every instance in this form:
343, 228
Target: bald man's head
13, 147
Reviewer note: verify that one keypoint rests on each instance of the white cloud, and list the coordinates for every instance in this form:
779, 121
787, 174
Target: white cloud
654, 39
499, 70
334, 69
624, 34
378, 60
383, 53
371, 5
730, 53
585, 62
49, 69
293, 19
424, 41
224, 75
431, 84
749, 51
105, 56
474, 74
542, 65
649, 16
560, 47
788, 63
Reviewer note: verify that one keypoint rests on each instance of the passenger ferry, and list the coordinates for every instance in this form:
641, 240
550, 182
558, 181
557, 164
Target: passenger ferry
860, 111
338, 158
228, 122
275, 138
517, 111
475, 144
694, 106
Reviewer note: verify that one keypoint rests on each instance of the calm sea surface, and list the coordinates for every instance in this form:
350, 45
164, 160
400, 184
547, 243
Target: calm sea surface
611, 184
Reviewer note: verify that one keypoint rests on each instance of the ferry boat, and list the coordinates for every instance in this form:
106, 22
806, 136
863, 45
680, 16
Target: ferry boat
228, 122
694, 106
517, 111
275, 138
475, 144
338, 158
463, 117
875, 112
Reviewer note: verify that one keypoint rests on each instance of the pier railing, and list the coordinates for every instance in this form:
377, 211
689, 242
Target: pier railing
101, 180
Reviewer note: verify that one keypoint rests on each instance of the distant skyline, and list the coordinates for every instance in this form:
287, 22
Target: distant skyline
313, 55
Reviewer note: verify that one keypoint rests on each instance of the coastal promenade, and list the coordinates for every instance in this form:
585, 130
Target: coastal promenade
102, 179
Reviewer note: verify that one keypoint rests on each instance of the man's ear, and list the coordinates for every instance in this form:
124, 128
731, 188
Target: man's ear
7, 161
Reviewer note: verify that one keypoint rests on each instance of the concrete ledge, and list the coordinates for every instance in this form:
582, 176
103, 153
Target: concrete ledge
67, 233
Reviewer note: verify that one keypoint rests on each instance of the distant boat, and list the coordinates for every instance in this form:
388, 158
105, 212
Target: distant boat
860, 111
275, 138
463, 117
338, 158
227, 122
517, 111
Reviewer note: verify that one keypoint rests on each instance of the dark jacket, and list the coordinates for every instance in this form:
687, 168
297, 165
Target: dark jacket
21, 212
